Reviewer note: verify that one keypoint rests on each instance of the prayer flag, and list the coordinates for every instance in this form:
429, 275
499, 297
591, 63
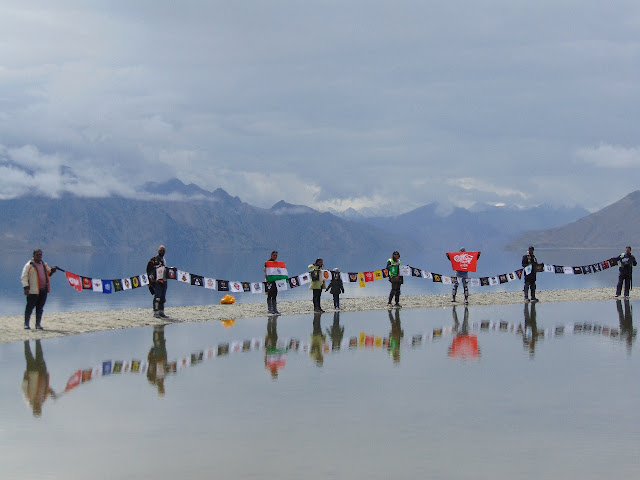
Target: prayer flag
503, 278
282, 284
577, 270
548, 268
275, 270
377, 274
494, 281
368, 276
405, 270
426, 274
126, 283
117, 285
528, 269
568, 270
223, 285
197, 280
256, 287
246, 287
210, 283
172, 273
183, 276
294, 282
304, 278
416, 272
97, 285
107, 286
353, 277
142, 279
447, 280
559, 268
484, 281
361, 279
474, 282
437, 278
86, 283
74, 281
235, 287
345, 277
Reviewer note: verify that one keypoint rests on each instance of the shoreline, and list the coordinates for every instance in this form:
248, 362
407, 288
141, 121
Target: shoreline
75, 323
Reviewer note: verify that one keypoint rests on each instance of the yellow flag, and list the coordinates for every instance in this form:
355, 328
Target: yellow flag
377, 274
361, 279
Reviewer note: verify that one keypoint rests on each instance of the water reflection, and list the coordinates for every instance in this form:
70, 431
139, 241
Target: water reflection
530, 333
464, 345
157, 358
395, 335
274, 357
35, 385
316, 349
336, 332
626, 322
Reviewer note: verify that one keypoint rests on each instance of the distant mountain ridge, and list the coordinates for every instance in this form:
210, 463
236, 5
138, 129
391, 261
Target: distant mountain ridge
614, 226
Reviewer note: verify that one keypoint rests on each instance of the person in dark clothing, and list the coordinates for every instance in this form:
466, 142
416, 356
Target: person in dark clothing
393, 267
36, 286
627, 262
337, 287
530, 279
157, 358
271, 287
157, 273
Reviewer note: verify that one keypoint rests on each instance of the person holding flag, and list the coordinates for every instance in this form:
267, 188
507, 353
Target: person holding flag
36, 285
530, 264
273, 271
462, 263
157, 273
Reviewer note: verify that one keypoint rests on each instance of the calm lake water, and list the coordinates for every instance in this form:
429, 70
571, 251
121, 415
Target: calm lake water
431, 393
247, 266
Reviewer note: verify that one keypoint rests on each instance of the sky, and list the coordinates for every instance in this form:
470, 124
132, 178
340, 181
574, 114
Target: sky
376, 105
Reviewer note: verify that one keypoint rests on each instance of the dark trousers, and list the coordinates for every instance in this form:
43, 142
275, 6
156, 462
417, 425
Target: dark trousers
336, 300
36, 301
316, 299
395, 292
160, 296
627, 284
272, 295
530, 284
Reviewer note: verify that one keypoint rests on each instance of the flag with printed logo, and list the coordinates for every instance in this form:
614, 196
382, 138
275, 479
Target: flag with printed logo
74, 281
275, 270
463, 261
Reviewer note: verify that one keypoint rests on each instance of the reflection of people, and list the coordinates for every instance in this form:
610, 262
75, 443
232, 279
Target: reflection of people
35, 385
317, 341
157, 273
463, 275
272, 272
529, 259
395, 335
463, 344
627, 262
273, 357
336, 332
157, 359
317, 283
337, 287
530, 322
626, 322
36, 285
393, 267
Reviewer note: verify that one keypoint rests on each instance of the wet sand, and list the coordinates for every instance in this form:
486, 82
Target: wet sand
73, 323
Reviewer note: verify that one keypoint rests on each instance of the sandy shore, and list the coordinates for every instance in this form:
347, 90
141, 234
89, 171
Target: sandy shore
73, 323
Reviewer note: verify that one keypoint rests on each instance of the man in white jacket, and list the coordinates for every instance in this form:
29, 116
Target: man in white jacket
36, 285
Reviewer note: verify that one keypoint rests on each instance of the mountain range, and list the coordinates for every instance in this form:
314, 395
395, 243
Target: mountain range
189, 218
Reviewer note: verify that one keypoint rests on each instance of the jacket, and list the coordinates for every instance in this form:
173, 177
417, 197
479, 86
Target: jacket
29, 277
528, 259
316, 284
335, 285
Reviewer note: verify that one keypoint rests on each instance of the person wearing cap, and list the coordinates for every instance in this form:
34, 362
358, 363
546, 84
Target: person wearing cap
336, 286
36, 286
157, 273
627, 262
529, 259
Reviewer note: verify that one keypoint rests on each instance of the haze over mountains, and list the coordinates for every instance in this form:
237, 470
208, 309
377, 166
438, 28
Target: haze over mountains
190, 218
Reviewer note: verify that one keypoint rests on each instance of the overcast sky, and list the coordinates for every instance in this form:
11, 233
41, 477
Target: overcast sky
380, 104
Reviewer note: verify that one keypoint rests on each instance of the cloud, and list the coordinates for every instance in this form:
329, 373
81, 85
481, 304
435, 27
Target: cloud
610, 156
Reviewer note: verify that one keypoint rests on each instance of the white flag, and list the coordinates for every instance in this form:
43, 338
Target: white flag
183, 276
304, 278
282, 284
126, 283
426, 274
568, 270
210, 283
527, 269
474, 282
405, 270
447, 280
344, 277
96, 285
235, 287
549, 268
144, 280
494, 281
256, 287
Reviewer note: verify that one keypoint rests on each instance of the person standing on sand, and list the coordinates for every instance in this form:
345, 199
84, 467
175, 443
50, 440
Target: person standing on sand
36, 286
157, 273
468, 261
337, 287
273, 270
396, 280
317, 283
627, 262
529, 259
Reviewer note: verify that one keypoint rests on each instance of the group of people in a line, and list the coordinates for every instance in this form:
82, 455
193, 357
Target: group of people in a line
36, 281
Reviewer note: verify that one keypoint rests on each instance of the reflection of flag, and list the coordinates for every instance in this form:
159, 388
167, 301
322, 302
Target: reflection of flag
464, 346
463, 261
74, 281
275, 270
74, 381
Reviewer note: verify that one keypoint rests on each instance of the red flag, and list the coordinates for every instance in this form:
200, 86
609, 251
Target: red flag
463, 261
74, 381
74, 281
368, 276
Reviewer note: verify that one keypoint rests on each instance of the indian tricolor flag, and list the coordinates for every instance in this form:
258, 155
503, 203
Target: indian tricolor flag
275, 270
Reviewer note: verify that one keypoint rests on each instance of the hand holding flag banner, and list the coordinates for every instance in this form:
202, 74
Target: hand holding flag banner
463, 261
275, 270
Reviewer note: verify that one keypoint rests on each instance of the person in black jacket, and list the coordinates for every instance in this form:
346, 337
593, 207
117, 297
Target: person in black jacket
337, 287
157, 273
627, 262
530, 279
